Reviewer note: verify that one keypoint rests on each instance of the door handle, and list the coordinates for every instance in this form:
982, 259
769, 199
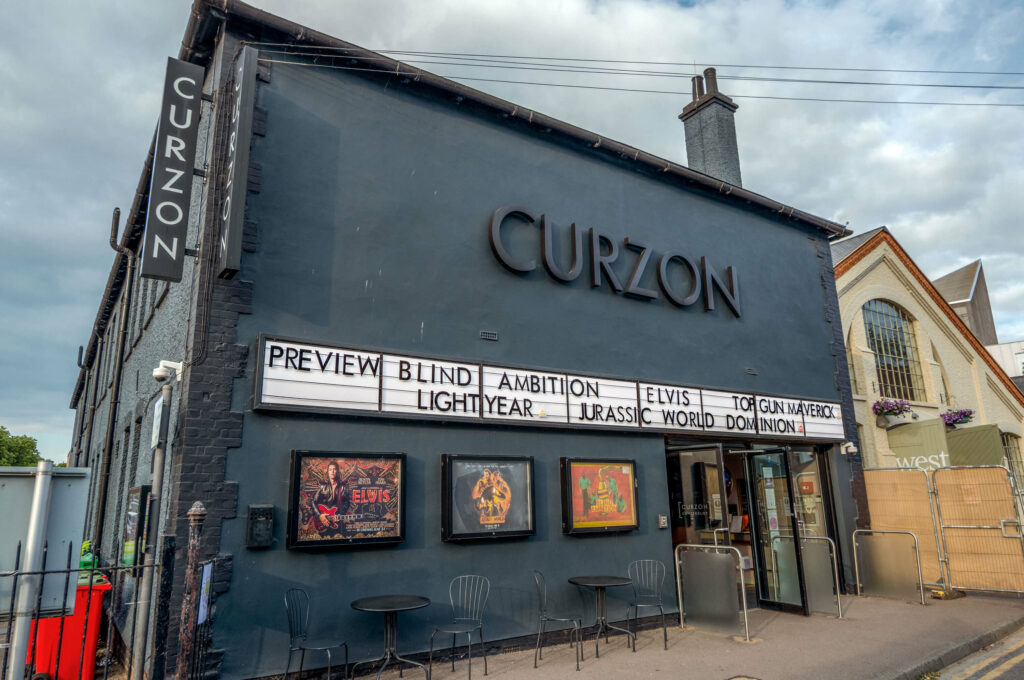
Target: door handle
1002, 527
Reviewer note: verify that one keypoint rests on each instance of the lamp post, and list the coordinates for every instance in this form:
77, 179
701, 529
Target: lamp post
166, 374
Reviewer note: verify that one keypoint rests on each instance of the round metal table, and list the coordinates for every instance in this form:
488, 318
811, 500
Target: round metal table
390, 605
600, 584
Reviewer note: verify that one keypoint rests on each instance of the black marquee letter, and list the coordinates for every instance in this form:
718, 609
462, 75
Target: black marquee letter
498, 247
549, 255
633, 287
731, 295
666, 285
599, 262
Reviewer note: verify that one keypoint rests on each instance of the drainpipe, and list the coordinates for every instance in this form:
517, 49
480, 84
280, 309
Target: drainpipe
92, 402
115, 395
83, 423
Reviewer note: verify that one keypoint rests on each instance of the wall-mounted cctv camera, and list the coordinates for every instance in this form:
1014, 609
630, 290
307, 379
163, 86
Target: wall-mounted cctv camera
166, 370
849, 449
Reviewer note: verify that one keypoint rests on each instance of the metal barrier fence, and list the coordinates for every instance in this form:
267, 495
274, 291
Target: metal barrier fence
717, 549
917, 553
902, 499
64, 634
975, 506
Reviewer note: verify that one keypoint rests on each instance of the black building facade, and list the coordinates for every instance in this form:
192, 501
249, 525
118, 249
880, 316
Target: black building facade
403, 265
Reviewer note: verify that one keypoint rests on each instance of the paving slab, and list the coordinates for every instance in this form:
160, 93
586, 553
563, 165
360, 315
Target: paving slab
878, 639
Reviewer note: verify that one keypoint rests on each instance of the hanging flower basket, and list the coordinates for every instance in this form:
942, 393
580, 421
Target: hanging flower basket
955, 417
891, 412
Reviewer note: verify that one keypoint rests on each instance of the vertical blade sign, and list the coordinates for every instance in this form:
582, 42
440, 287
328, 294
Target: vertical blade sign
232, 208
170, 184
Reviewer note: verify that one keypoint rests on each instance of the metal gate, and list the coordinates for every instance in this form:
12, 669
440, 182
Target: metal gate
977, 517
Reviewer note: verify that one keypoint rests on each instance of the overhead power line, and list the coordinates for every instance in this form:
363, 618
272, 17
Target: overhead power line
413, 74
536, 66
680, 63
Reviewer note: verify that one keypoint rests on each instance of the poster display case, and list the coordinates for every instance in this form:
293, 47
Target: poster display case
598, 495
340, 499
486, 497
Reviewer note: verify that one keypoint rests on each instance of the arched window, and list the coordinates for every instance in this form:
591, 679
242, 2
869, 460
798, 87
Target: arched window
854, 385
890, 333
946, 397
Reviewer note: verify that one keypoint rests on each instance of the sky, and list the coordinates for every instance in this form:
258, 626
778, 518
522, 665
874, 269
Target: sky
80, 87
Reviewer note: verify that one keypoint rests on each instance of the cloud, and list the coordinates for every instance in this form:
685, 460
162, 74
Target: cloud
80, 86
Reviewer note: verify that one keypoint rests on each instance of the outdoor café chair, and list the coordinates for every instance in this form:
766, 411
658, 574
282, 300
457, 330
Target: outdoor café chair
468, 595
648, 581
296, 604
575, 638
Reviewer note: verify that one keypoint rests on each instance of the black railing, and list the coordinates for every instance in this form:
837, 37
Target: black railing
99, 593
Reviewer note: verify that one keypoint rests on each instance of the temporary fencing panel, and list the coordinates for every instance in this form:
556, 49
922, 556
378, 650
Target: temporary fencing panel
981, 532
900, 499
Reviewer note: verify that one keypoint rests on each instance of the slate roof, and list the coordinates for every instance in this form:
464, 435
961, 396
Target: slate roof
959, 285
843, 249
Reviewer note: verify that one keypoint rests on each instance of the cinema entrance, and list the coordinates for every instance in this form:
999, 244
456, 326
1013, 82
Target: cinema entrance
771, 503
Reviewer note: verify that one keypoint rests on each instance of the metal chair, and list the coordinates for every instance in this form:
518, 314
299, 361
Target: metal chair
296, 604
648, 581
468, 595
575, 638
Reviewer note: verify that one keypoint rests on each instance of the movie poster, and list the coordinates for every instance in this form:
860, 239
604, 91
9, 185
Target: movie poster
487, 497
601, 495
344, 498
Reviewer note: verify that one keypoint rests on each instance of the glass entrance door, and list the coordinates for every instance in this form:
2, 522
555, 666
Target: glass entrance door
779, 564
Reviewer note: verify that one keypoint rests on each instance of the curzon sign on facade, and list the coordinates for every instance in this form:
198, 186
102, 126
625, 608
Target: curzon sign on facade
682, 280
170, 184
301, 376
232, 207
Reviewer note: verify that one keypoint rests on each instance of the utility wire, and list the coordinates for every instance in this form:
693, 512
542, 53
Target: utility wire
531, 66
412, 74
678, 63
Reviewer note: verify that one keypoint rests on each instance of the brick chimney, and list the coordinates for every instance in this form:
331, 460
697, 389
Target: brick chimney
711, 131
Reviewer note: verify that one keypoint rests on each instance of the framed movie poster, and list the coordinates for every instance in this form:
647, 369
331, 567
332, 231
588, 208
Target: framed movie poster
486, 497
342, 499
598, 495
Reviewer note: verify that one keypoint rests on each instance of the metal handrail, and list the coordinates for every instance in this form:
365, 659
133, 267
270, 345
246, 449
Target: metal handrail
739, 572
835, 562
714, 534
917, 553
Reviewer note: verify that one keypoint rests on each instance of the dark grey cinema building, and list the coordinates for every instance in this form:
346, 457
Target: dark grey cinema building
441, 334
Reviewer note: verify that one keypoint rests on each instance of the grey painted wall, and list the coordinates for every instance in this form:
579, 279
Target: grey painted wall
371, 219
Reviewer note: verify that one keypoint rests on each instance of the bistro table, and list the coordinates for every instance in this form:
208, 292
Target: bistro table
390, 605
599, 584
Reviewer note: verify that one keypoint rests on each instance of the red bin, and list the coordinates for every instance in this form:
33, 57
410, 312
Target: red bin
72, 648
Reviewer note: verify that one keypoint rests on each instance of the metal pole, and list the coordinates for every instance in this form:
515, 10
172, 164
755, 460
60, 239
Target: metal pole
142, 606
187, 626
28, 586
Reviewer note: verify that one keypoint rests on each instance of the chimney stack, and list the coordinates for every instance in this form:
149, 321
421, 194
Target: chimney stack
711, 131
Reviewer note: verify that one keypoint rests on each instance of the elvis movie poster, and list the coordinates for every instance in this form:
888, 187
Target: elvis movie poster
486, 497
598, 495
341, 499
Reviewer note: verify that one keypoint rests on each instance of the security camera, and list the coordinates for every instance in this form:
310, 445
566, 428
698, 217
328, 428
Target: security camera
166, 370
849, 449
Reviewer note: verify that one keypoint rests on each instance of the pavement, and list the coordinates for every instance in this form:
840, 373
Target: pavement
877, 640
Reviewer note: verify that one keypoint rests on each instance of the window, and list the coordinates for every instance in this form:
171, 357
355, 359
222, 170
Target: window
1011, 449
854, 385
890, 333
947, 394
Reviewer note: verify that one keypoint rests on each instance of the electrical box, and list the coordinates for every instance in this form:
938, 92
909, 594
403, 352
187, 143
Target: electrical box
259, 529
